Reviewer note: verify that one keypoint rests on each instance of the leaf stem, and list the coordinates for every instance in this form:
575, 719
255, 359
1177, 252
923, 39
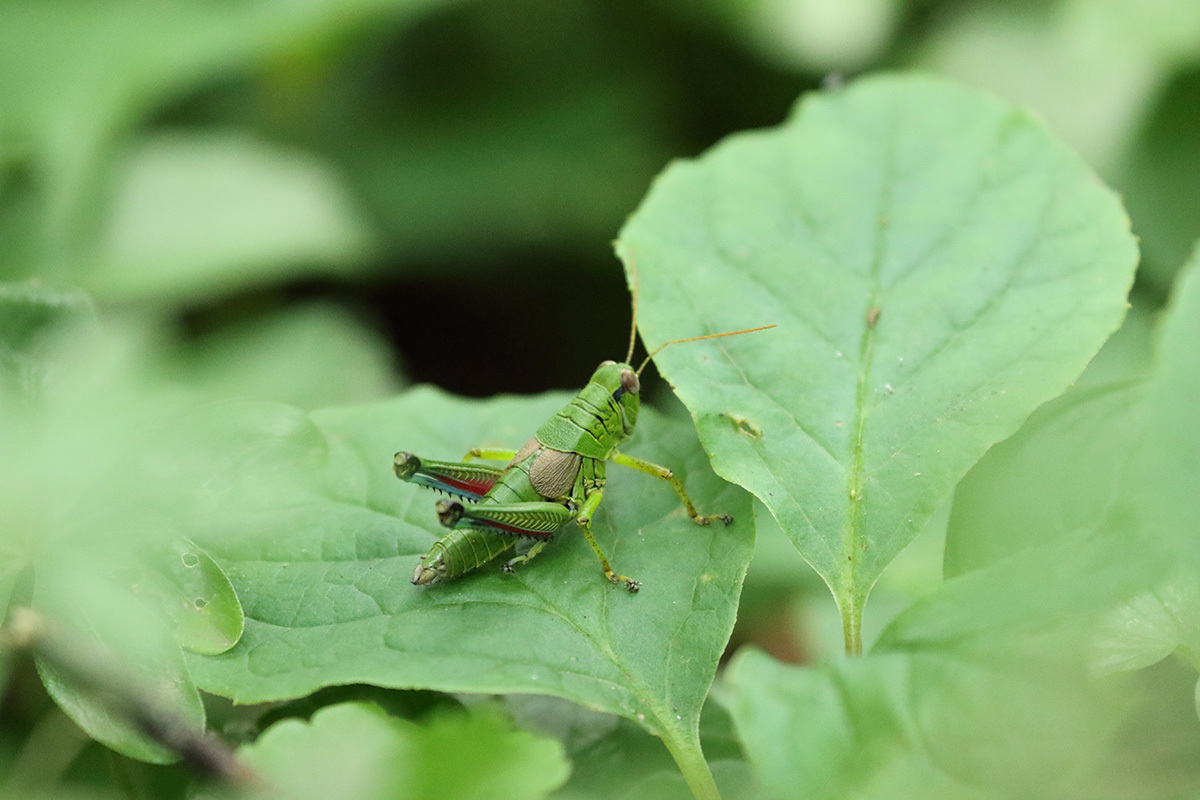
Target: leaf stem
690, 759
852, 625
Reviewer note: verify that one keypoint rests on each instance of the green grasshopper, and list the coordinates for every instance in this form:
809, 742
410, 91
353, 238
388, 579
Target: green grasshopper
558, 476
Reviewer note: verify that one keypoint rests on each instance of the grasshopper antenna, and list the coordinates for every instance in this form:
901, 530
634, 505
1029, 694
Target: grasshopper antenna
659, 349
633, 292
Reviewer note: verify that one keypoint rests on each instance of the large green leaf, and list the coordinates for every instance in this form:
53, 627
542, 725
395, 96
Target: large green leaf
325, 578
1008, 653
938, 266
355, 751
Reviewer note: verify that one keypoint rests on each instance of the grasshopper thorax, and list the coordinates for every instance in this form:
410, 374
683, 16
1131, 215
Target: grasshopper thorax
620, 382
597, 419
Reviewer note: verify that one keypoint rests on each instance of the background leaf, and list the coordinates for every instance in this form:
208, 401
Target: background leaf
1166, 475
29, 316
1162, 484
198, 213
77, 76
140, 646
1060, 473
964, 696
355, 751
938, 267
1159, 180
308, 356
191, 590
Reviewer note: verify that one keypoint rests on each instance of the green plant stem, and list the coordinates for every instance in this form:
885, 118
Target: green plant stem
688, 756
852, 625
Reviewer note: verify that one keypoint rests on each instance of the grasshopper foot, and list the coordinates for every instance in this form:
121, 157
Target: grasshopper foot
630, 584
726, 518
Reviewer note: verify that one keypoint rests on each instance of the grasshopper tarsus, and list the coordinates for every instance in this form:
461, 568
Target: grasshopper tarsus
725, 518
631, 585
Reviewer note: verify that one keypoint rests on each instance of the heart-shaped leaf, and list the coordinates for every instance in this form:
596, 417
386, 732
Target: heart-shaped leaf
938, 266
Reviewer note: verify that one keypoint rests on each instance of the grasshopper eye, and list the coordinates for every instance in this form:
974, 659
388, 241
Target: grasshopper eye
629, 381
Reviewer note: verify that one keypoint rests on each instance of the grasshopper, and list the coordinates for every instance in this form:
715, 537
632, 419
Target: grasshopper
556, 477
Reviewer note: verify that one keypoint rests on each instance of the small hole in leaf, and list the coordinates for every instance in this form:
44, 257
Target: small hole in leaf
199, 603
745, 427
189, 559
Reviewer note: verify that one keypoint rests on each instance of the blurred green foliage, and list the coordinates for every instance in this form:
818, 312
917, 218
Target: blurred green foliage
219, 215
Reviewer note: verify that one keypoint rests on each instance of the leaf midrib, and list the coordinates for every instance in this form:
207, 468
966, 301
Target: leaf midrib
855, 474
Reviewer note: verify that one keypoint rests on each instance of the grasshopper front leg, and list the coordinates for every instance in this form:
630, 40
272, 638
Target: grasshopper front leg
650, 468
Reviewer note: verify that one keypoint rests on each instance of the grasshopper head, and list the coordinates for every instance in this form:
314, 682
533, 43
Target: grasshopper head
621, 382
